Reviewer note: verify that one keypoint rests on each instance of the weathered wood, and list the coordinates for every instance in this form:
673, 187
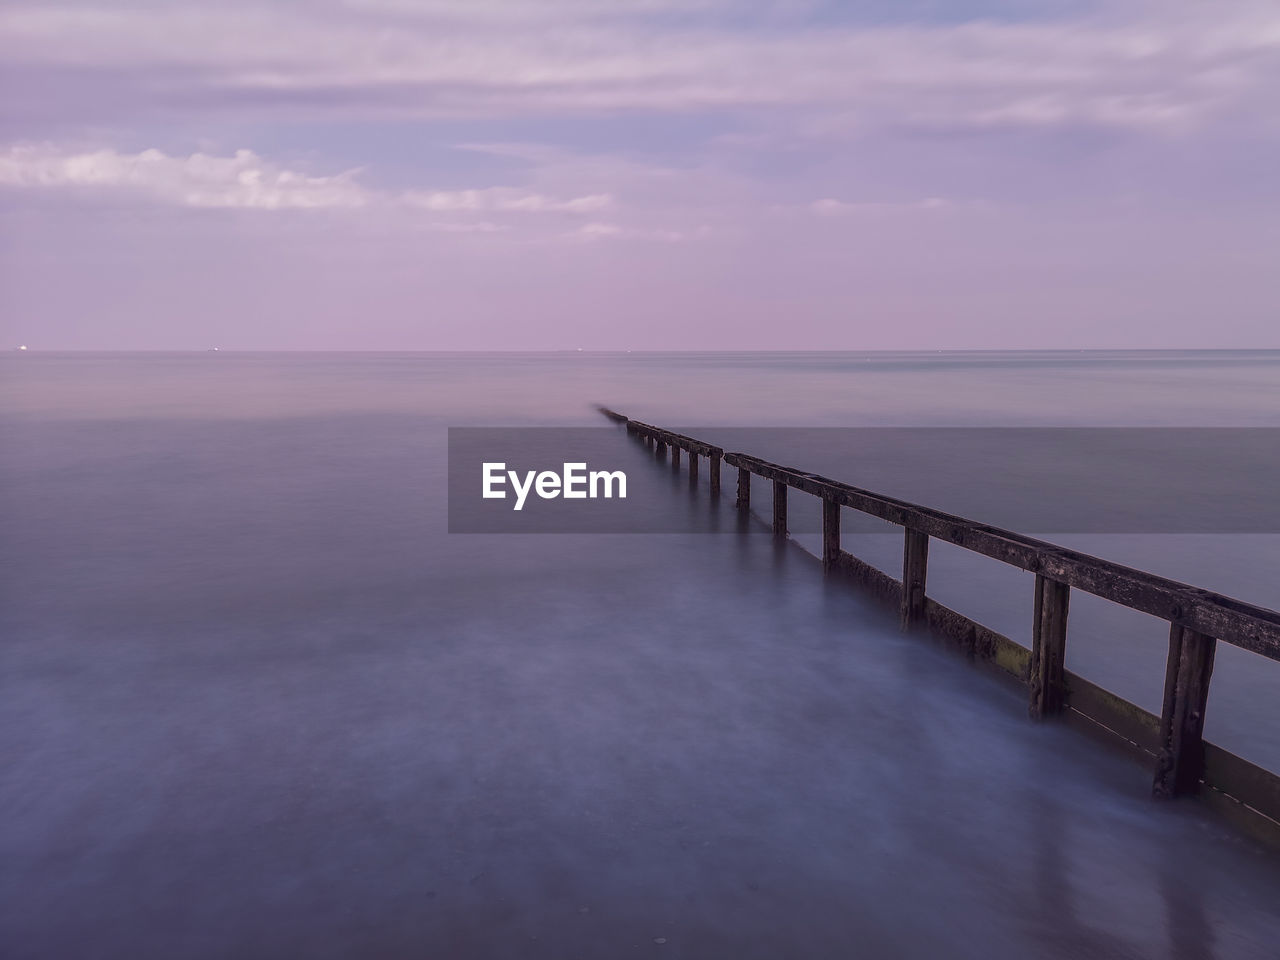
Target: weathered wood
779, 509
1233, 621
915, 563
675, 439
1239, 778
878, 583
1097, 711
1244, 625
830, 533
1125, 720
675, 458
1104, 713
661, 449
1048, 648
1196, 617
976, 640
744, 489
693, 468
1180, 763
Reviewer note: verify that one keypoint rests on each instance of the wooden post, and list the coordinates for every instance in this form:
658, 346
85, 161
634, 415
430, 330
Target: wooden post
744, 489
779, 509
715, 474
693, 468
1048, 647
915, 564
660, 449
675, 457
830, 533
1186, 692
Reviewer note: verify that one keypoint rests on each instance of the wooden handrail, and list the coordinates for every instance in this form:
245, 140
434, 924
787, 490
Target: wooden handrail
1233, 621
1198, 618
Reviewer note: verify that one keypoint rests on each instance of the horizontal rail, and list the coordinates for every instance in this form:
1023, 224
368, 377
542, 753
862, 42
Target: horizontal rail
1232, 621
671, 439
1184, 762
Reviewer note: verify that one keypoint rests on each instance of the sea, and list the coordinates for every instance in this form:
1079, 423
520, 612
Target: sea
257, 700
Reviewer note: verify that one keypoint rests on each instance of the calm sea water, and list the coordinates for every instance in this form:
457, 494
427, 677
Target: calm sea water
255, 701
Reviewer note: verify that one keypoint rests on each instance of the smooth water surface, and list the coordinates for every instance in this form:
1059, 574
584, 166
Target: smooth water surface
256, 702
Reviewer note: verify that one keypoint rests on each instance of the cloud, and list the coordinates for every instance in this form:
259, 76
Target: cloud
1134, 67
831, 207
599, 230
612, 231
245, 180
505, 199
468, 226
522, 11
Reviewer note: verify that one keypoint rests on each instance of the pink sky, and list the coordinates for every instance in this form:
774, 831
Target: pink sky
639, 174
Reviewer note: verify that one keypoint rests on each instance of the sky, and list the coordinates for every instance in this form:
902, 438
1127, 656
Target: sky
639, 174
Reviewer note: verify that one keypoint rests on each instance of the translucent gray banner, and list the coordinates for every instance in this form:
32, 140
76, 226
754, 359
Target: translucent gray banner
1030, 480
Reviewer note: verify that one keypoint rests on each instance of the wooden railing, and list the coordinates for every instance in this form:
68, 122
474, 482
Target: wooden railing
1198, 619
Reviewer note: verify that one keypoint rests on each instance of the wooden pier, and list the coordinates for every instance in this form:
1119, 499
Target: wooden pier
1173, 743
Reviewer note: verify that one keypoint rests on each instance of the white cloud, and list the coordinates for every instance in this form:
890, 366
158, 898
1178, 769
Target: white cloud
523, 11
505, 199
243, 180
611, 231
468, 226
831, 207
598, 230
